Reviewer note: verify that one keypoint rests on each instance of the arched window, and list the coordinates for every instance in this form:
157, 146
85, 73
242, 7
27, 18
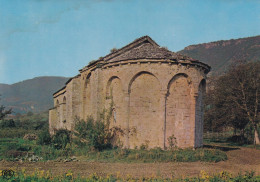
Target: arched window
64, 110
57, 103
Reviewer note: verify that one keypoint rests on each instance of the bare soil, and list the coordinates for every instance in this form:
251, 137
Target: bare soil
239, 160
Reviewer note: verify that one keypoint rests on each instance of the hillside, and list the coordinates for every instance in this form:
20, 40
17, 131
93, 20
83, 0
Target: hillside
31, 95
220, 54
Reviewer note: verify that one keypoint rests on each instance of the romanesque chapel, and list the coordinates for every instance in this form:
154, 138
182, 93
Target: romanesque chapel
155, 91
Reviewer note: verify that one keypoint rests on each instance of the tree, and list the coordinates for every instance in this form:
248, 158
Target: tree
30, 113
235, 98
4, 112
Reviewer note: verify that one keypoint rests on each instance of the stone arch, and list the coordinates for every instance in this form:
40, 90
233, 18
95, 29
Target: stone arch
109, 82
199, 114
115, 106
178, 111
114, 101
138, 74
57, 103
64, 110
87, 97
144, 106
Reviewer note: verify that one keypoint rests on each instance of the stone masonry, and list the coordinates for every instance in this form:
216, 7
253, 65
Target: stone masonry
154, 95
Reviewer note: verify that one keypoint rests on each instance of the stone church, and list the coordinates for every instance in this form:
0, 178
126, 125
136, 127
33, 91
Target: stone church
155, 95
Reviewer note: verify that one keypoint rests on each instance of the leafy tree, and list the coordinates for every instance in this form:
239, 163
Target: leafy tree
4, 112
233, 100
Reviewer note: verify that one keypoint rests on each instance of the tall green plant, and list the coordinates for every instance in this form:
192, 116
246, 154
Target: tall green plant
61, 139
92, 133
44, 138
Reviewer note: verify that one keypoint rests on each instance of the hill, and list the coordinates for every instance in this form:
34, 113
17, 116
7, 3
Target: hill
31, 95
220, 54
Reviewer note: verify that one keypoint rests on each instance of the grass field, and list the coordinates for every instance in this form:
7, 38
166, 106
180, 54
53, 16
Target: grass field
240, 160
41, 175
218, 156
20, 149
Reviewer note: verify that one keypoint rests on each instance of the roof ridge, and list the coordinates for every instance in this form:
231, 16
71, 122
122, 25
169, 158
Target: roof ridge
130, 45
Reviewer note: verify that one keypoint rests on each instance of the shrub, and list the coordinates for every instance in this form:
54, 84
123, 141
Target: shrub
44, 138
92, 134
13, 132
8, 123
113, 50
61, 139
240, 140
172, 142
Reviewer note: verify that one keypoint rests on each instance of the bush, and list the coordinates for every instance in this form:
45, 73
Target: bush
61, 139
44, 138
240, 140
14, 132
92, 134
8, 123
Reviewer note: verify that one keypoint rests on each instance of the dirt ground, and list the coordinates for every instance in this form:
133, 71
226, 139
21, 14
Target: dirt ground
239, 160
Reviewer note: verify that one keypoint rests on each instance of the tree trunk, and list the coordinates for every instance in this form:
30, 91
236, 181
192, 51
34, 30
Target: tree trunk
256, 140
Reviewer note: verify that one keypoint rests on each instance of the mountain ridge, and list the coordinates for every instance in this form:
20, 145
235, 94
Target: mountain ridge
221, 54
31, 95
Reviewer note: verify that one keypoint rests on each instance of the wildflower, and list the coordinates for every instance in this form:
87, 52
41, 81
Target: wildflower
42, 173
204, 175
47, 174
69, 175
225, 175
117, 174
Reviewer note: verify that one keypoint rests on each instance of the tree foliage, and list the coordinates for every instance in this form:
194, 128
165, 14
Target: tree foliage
233, 99
4, 112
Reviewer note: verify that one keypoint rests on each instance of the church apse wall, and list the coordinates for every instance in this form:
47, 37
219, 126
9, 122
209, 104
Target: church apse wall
153, 93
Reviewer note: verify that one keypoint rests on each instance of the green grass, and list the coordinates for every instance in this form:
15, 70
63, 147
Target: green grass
18, 148
157, 155
15, 132
222, 140
11, 148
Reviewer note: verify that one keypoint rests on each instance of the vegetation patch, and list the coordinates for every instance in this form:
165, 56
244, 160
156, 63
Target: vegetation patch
11, 175
157, 155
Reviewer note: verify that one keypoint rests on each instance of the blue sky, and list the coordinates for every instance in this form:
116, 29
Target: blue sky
59, 37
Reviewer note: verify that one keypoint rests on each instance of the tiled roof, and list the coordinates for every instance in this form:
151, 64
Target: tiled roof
142, 48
